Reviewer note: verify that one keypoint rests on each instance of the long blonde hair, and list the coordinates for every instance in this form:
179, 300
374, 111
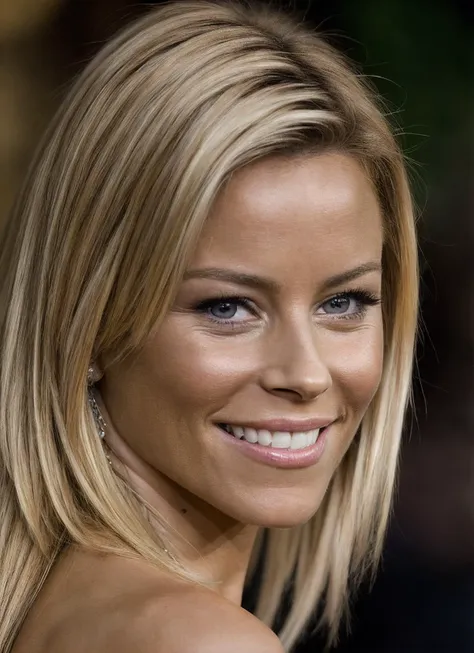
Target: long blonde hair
97, 247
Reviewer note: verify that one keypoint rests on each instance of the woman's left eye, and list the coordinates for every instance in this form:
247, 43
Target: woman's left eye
352, 304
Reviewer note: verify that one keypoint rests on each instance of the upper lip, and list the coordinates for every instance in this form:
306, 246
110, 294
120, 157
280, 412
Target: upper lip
283, 424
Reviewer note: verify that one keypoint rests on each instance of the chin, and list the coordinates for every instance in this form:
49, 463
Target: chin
274, 513
287, 518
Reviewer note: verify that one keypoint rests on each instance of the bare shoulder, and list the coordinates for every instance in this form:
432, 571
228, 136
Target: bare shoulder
114, 605
194, 620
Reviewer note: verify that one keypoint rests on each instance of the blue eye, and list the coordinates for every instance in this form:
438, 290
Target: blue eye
353, 304
338, 305
223, 310
227, 310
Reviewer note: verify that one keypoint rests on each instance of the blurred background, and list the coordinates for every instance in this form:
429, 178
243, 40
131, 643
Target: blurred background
420, 55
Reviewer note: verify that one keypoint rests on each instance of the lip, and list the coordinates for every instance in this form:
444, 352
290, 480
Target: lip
284, 458
284, 424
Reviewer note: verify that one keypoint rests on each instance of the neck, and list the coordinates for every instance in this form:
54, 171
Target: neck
206, 541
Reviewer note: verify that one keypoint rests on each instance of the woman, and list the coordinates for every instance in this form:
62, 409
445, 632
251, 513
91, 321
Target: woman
211, 293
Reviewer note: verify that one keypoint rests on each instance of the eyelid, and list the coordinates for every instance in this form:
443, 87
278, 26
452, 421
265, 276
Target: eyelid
356, 290
225, 297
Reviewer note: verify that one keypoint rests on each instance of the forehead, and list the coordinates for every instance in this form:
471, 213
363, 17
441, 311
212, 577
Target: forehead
318, 212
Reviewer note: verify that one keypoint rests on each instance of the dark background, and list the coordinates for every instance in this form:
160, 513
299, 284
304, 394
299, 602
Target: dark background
420, 54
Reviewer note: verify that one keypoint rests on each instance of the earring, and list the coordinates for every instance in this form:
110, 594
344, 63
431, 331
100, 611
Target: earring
94, 374
99, 420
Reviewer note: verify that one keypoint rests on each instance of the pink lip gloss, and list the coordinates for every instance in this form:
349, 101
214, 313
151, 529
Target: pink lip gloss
276, 457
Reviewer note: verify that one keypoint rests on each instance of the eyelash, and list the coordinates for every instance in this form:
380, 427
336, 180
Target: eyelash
362, 297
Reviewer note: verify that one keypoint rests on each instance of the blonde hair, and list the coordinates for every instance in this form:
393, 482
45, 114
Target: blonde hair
98, 245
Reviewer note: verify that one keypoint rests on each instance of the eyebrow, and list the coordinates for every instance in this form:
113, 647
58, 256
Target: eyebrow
264, 283
240, 278
350, 275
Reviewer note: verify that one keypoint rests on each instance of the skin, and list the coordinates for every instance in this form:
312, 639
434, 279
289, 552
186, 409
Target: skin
295, 353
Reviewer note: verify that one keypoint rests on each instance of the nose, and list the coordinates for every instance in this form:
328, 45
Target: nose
294, 367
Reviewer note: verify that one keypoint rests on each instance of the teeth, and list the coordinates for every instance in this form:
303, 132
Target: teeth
264, 438
300, 440
277, 439
281, 440
251, 435
238, 431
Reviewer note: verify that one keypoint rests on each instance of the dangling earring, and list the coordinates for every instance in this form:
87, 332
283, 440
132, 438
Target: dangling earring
99, 420
94, 375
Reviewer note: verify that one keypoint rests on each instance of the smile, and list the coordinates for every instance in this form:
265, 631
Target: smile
275, 439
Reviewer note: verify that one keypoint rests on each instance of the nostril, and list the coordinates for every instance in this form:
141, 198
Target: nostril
289, 392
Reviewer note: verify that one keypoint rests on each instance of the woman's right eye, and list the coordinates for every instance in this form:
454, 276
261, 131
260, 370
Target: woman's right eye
226, 310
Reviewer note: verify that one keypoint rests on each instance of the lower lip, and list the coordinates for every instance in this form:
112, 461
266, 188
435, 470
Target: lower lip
286, 458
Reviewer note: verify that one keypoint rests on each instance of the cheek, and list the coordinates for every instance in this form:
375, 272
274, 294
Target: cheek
357, 366
196, 371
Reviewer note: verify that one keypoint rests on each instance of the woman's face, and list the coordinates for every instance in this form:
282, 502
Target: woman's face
276, 335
